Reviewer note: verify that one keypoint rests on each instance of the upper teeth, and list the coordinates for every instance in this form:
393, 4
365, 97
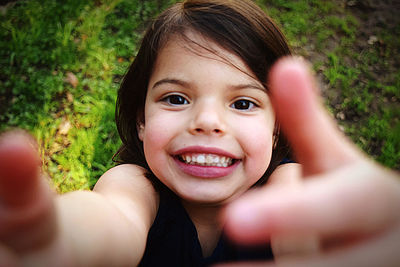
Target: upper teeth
206, 160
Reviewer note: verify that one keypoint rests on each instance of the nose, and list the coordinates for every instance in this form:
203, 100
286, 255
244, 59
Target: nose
208, 118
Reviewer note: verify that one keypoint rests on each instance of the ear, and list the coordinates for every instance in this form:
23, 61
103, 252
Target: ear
140, 130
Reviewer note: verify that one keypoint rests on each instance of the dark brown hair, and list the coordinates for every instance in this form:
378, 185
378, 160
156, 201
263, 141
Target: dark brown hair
238, 26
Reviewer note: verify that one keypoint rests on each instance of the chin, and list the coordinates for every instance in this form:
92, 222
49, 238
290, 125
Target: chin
210, 196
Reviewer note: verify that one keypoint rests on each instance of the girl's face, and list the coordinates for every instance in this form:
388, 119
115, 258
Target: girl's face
208, 130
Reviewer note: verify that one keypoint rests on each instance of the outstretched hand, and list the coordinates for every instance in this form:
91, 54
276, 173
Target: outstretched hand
27, 214
349, 203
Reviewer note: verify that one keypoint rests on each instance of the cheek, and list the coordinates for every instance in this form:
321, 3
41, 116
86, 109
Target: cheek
154, 141
159, 130
256, 139
155, 136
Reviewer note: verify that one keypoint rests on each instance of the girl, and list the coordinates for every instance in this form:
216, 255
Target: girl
194, 113
198, 129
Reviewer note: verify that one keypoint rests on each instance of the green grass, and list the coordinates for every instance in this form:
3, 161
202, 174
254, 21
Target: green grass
362, 84
42, 41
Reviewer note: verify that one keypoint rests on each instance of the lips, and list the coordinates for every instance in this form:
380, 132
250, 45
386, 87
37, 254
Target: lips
205, 162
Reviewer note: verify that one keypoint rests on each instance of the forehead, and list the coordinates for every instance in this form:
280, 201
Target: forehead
196, 44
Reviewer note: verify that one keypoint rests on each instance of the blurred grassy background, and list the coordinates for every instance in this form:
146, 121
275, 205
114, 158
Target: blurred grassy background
61, 63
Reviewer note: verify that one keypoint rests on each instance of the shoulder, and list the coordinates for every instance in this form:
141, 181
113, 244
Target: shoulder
288, 173
125, 178
127, 187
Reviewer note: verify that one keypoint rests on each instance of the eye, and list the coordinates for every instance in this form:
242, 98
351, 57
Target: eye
243, 104
175, 100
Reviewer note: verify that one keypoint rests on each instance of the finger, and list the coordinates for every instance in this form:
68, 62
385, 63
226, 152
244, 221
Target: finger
378, 251
26, 209
317, 143
335, 209
19, 170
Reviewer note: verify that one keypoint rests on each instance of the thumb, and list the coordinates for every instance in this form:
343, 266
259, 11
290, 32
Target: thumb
317, 143
26, 208
19, 169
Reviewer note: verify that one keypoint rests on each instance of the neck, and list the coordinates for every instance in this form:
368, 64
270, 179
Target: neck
206, 219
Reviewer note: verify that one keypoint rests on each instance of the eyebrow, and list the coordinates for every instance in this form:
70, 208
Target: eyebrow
170, 81
249, 86
186, 84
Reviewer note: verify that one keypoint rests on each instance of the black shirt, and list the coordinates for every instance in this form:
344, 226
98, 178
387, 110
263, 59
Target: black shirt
173, 240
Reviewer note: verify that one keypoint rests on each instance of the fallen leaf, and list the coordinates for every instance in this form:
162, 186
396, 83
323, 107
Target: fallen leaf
71, 79
56, 147
340, 115
64, 127
372, 40
70, 97
352, 3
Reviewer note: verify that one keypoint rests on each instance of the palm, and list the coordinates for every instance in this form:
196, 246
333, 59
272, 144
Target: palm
344, 198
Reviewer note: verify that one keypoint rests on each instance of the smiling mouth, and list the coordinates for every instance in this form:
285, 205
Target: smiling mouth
201, 159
